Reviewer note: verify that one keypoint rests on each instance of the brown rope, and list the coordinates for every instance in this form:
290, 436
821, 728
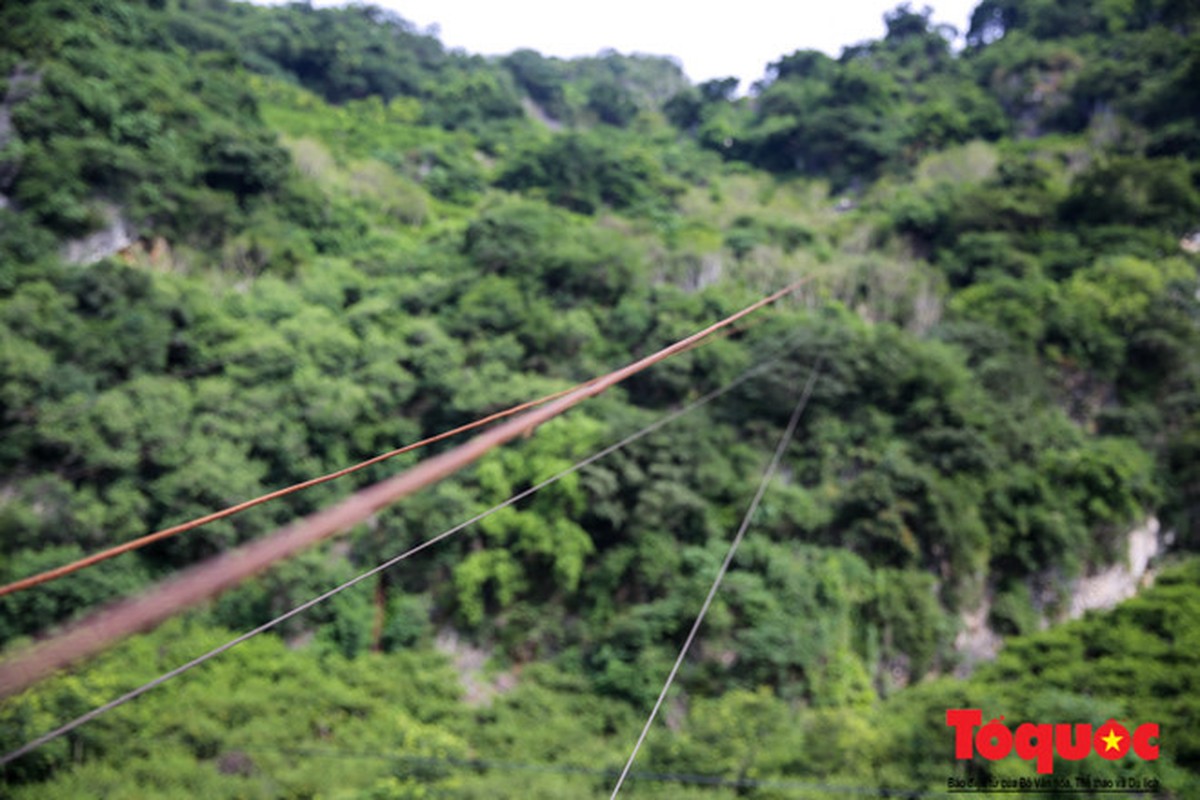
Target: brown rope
213, 576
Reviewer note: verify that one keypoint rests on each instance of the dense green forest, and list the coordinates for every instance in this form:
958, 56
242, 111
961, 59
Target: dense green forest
242, 246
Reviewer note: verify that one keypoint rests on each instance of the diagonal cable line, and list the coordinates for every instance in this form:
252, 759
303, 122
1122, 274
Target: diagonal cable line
183, 527
209, 578
195, 662
712, 592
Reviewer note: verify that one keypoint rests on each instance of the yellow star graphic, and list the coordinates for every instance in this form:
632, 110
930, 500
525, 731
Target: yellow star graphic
1112, 741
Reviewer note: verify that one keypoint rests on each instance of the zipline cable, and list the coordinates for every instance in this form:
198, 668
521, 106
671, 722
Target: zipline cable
195, 662
209, 578
712, 592
150, 538
213, 576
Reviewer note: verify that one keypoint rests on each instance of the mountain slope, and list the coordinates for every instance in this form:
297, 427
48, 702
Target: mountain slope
341, 249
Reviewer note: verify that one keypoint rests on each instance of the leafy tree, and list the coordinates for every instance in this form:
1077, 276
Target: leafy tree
611, 104
1134, 192
543, 78
583, 172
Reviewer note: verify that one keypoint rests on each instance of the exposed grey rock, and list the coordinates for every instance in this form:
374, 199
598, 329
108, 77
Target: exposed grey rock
977, 642
116, 235
1122, 580
1191, 242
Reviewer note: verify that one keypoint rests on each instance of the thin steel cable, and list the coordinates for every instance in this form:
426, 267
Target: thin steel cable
209, 578
712, 592
195, 662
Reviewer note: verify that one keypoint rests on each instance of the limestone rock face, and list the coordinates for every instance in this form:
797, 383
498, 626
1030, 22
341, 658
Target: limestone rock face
1121, 581
114, 237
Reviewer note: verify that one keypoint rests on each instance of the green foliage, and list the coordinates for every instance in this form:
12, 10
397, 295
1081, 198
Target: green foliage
471, 99
608, 88
105, 117
741, 735
342, 54
407, 622
243, 166
348, 237
583, 172
1012, 612
1137, 192
543, 79
837, 128
876, 108
796, 623
548, 253
748, 232
611, 104
217, 737
912, 625
34, 610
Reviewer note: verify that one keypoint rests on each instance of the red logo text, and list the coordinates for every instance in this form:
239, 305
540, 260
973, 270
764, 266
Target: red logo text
1041, 743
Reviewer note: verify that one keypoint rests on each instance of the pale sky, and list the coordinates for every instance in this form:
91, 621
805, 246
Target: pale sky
711, 40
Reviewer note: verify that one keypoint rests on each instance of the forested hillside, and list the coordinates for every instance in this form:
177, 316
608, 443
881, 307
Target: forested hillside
243, 246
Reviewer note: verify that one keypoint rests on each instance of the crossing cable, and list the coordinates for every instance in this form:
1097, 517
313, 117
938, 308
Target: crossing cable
210, 577
195, 662
150, 538
712, 592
